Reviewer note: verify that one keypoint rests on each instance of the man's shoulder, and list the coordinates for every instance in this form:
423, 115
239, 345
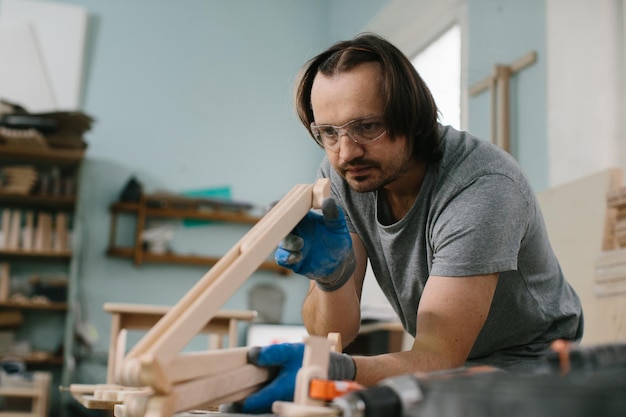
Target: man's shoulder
467, 157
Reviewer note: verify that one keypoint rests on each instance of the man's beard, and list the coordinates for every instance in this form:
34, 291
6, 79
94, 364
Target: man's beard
368, 183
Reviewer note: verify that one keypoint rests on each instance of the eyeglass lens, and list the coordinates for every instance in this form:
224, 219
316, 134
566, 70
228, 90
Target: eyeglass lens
361, 131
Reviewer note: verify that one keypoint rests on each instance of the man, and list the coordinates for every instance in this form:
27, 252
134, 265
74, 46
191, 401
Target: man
450, 224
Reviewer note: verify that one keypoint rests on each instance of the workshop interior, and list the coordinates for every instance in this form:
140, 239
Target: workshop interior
151, 158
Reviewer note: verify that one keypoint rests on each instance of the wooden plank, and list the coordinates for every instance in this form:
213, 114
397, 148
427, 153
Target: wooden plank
576, 219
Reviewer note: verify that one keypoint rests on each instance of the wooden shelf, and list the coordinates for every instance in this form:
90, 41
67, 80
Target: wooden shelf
173, 258
38, 201
215, 215
144, 209
42, 218
51, 155
35, 255
29, 305
35, 358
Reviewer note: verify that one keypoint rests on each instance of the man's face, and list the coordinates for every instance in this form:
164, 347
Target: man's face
340, 98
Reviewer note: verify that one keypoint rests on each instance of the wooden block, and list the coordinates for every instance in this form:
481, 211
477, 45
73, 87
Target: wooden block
314, 365
47, 232
11, 318
28, 231
288, 409
38, 241
59, 243
15, 228
610, 278
120, 394
6, 226
617, 197
43, 233
119, 410
88, 401
5, 281
81, 389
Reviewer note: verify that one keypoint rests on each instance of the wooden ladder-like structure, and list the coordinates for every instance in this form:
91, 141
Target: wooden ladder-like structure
177, 381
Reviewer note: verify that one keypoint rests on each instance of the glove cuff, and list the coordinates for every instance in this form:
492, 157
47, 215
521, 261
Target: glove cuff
341, 367
339, 276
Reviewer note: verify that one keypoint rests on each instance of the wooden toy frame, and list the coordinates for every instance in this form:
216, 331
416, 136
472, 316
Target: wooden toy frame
183, 381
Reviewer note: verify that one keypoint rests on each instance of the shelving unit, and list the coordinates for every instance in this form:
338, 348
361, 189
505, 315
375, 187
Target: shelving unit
41, 254
144, 209
38, 394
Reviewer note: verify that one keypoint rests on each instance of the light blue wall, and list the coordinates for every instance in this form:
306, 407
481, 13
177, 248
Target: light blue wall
198, 94
189, 95
500, 32
348, 17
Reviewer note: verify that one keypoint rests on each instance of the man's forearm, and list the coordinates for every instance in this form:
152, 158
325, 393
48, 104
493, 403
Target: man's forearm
370, 370
332, 311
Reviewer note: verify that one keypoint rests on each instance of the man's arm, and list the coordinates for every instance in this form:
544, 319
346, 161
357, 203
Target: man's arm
451, 313
337, 311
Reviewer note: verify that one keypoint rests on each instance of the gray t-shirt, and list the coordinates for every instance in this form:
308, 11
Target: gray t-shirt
475, 214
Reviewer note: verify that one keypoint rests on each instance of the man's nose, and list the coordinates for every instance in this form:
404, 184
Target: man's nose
348, 148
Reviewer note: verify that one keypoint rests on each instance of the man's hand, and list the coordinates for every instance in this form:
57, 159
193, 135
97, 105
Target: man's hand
320, 248
287, 357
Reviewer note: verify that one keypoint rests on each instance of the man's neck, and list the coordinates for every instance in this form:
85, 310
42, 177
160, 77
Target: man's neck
401, 194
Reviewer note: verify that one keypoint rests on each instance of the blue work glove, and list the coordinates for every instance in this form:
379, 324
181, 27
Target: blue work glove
320, 248
287, 357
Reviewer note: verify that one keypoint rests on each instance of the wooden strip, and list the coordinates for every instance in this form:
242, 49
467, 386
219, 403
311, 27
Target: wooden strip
493, 109
113, 364
608, 289
198, 392
172, 316
185, 319
481, 86
5, 284
272, 227
314, 365
611, 274
211, 389
610, 258
523, 62
193, 365
503, 126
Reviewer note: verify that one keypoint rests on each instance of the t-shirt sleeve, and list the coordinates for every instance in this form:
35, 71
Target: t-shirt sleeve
480, 230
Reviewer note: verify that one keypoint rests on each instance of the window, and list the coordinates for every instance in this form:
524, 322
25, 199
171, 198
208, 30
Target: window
439, 65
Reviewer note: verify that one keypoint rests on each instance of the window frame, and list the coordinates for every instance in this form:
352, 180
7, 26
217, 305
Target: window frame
412, 26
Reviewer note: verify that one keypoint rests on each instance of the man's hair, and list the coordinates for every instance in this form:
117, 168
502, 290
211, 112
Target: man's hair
410, 109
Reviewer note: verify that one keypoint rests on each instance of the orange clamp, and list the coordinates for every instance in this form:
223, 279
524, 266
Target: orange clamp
328, 390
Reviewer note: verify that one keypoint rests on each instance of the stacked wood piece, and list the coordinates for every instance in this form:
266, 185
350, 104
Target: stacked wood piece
41, 232
19, 179
610, 279
616, 203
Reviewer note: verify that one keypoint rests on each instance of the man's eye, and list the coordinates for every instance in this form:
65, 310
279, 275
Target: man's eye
329, 132
367, 127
